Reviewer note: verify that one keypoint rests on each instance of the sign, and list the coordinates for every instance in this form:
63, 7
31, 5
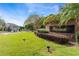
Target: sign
63, 29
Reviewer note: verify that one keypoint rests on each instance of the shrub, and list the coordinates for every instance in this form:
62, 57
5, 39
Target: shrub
78, 36
52, 38
42, 30
29, 27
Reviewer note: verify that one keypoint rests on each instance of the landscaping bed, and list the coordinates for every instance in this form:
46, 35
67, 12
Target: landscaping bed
56, 37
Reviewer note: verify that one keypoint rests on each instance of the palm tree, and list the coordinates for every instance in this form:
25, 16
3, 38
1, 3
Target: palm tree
40, 22
52, 19
68, 13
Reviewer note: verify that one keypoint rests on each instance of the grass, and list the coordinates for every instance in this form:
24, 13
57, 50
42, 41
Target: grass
13, 45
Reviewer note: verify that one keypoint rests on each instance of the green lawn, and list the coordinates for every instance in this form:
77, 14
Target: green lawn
13, 45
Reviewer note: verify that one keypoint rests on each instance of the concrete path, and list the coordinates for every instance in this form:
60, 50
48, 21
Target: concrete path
6, 33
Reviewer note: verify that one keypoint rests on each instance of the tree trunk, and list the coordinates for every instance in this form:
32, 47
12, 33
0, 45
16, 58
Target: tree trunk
76, 32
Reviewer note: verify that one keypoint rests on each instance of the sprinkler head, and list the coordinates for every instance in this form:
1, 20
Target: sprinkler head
48, 46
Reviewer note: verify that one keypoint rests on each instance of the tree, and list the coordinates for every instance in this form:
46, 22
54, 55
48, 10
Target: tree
21, 28
29, 27
32, 19
68, 13
53, 19
2, 24
40, 22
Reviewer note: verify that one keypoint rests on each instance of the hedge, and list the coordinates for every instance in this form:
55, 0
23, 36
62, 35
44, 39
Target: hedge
52, 38
42, 31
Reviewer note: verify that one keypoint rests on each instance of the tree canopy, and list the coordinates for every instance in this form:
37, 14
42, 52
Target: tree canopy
53, 19
2, 24
69, 12
32, 20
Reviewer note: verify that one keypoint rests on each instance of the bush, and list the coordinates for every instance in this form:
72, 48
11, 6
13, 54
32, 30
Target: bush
78, 36
52, 38
29, 27
42, 30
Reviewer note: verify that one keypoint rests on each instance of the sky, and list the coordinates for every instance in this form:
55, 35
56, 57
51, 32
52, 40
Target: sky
17, 13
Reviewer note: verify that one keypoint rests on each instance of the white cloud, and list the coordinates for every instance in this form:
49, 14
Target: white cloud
38, 7
56, 9
11, 18
14, 21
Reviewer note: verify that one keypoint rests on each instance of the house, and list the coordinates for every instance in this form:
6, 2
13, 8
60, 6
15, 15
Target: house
66, 30
12, 27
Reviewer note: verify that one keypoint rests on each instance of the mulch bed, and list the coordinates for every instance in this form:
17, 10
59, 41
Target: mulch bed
56, 37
